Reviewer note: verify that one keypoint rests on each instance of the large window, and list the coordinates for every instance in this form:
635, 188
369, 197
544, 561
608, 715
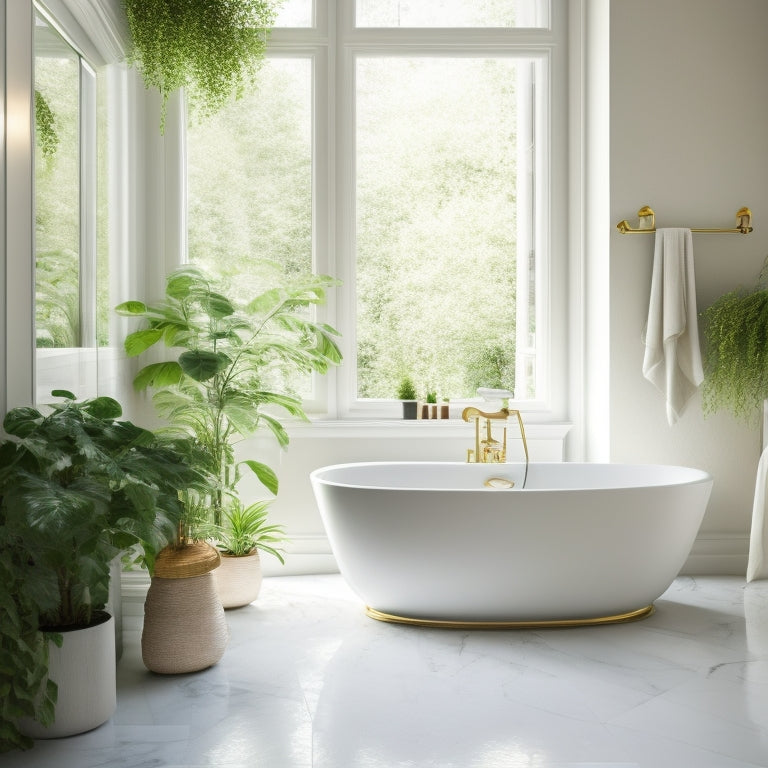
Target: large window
407, 149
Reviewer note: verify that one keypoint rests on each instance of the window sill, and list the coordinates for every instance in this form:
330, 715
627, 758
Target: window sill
415, 428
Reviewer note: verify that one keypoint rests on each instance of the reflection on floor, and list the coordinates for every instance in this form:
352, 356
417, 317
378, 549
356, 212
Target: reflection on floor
308, 680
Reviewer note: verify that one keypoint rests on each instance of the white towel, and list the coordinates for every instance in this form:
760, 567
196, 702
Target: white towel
757, 567
672, 359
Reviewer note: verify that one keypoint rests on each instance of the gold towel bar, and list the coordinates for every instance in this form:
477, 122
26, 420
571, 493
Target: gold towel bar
647, 223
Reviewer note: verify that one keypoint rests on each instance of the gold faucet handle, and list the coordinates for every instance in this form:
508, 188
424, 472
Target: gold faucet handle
473, 413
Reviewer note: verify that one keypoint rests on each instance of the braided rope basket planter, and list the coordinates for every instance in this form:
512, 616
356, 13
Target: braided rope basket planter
184, 626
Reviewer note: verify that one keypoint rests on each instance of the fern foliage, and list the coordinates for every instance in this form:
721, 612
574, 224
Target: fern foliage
736, 352
211, 48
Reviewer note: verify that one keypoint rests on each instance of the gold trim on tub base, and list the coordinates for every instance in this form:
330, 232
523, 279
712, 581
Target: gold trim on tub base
619, 618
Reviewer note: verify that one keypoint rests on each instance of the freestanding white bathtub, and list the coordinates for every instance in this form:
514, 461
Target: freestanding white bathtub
430, 543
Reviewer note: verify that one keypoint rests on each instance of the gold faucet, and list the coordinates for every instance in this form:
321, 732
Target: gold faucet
488, 450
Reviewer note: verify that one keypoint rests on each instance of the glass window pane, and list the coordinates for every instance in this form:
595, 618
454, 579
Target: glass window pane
294, 13
57, 189
250, 178
452, 13
436, 192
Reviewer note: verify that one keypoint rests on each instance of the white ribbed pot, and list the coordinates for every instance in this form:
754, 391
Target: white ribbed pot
238, 579
184, 627
84, 671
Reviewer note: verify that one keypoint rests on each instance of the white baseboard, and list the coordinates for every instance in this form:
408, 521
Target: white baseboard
718, 554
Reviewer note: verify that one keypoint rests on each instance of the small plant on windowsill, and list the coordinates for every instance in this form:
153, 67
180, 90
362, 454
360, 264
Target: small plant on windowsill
211, 48
430, 409
407, 393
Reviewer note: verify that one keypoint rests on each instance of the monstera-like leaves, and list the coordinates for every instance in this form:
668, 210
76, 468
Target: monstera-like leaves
77, 487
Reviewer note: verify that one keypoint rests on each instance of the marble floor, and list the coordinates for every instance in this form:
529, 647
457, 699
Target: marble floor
309, 680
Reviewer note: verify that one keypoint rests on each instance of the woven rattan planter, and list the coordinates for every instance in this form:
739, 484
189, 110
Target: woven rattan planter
184, 626
238, 579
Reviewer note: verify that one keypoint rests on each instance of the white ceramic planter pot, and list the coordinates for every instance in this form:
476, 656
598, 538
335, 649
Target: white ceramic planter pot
84, 670
238, 579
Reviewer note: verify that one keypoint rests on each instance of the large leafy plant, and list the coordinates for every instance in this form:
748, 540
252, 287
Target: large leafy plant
736, 351
77, 487
211, 48
236, 366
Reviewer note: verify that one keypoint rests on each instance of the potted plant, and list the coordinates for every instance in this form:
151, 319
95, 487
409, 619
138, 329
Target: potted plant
431, 406
235, 365
245, 531
77, 487
211, 48
407, 393
736, 351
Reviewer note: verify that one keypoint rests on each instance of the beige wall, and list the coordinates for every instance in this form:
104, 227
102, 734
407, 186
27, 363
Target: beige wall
688, 136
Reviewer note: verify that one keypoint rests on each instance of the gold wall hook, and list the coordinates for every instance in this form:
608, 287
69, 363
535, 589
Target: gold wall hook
744, 220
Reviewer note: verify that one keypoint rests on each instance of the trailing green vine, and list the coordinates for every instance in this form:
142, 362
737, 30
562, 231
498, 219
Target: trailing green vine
45, 126
211, 48
736, 351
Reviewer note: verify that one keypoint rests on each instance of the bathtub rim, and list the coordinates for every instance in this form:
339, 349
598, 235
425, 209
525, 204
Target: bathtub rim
697, 476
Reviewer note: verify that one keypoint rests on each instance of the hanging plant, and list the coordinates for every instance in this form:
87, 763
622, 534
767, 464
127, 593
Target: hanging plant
45, 126
736, 353
211, 48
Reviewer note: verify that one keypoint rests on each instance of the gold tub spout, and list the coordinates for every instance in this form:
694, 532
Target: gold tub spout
488, 450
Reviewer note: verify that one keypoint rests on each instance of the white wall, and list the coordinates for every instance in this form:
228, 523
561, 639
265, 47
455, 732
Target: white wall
688, 120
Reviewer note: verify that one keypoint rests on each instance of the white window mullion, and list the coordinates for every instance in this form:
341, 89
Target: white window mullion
88, 181
345, 222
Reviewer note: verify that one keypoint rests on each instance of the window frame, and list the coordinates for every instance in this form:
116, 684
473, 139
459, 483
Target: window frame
76, 368
333, 44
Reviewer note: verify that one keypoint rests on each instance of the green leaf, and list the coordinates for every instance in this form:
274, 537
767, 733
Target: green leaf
131, 308
266, 476
278, 430
158, 375
139, 341
104, 408
21, 422
265, 303
65, 393
218, 306
180, 283
202, 365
